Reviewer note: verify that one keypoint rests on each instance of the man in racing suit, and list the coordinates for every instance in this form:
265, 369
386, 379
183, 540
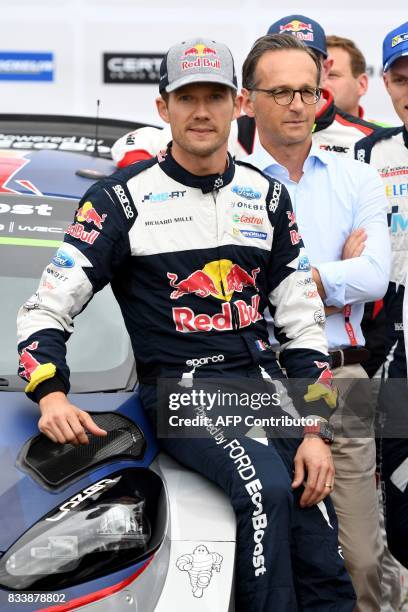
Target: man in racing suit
190, 284
387, 151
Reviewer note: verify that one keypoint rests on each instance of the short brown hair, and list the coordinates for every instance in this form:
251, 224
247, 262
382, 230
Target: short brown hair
357, 59
165, 95
273, 42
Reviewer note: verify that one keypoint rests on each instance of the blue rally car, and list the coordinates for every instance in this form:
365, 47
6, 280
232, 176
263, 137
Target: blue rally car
114, 525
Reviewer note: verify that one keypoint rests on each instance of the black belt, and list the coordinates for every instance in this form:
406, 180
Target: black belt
349, 356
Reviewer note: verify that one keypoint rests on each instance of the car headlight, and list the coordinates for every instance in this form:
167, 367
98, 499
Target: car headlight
107, 526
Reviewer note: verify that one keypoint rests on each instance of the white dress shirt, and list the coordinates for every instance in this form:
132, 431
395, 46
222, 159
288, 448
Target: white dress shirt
334, 197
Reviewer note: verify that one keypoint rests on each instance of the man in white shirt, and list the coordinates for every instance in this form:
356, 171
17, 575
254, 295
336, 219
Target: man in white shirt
341, 213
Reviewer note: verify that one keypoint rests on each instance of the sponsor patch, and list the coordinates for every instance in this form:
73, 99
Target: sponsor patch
291, 217
163, 197
247, 219
399, 38
274, 202
88, 214
124, 200
199, 566
253, 234
304, 263
295, 237
246, 192
63, 260
78, 231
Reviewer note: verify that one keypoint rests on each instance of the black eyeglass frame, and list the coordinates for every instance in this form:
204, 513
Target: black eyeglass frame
274, 92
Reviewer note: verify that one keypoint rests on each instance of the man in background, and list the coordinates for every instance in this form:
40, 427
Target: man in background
387, 151
347, 79
332, 200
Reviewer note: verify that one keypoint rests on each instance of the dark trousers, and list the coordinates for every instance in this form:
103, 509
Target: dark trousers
287, 557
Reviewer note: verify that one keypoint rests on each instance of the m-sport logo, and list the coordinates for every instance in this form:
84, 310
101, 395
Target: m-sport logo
132, 68
26, 66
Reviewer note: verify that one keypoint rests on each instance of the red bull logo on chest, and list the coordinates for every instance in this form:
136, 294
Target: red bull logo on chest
219, 279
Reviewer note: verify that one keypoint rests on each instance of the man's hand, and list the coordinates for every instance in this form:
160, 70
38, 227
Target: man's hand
314, 457
330, 310
355, 244
63, 422
319, 285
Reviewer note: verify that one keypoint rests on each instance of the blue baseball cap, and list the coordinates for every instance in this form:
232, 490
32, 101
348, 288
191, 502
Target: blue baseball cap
304, 28
395, 45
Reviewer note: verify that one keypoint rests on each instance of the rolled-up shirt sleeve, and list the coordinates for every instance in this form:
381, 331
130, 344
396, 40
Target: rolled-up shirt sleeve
364, 278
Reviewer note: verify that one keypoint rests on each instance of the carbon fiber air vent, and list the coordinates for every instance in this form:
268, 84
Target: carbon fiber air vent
56, 464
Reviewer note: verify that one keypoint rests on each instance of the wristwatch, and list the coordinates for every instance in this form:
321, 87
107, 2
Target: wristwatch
321, 428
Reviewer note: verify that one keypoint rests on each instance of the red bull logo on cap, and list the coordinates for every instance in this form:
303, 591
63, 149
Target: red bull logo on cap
197, 57
87, 214
298, 28
219, 279
199, 49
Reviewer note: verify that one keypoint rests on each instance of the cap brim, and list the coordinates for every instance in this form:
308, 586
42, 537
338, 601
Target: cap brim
393, 58
199, 78
324, 53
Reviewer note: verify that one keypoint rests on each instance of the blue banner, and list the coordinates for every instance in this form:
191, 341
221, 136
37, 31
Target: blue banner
26, 66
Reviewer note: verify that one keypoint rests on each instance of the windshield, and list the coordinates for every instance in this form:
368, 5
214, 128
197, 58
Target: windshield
99, 352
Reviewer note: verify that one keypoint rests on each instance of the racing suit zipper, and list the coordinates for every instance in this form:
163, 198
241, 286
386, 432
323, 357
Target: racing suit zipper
235, 320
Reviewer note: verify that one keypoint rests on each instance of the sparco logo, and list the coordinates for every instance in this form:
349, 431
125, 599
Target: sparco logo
72, 503
123, 199
204, 360
273, 204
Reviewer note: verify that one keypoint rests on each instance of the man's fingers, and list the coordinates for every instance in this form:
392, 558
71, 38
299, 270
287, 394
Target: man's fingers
359, 249
355, 244
78, 431
326, 478
54, 429
299, 473
63, 422
318, 487
47, 432
310, 487
90, 424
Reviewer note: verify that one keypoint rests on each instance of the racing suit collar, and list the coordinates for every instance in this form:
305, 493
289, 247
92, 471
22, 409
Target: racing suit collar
326, 115
208, 183
405, 136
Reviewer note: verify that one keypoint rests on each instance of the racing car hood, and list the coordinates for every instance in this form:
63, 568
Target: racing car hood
49, 173
23, 499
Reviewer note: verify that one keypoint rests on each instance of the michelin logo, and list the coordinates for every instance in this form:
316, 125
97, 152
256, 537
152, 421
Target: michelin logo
200, 566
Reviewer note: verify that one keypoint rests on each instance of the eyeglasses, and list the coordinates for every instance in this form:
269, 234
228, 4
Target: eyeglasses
283, 97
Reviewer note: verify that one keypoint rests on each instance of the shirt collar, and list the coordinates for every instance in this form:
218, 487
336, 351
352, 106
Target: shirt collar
263, 160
